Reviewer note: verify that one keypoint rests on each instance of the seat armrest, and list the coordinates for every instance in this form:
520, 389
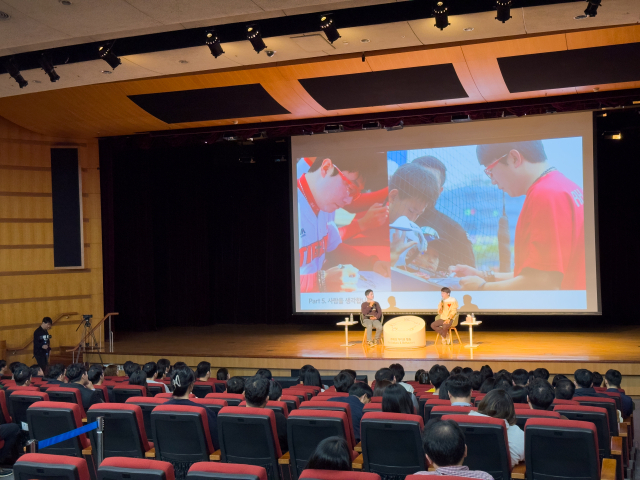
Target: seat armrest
623, 428
519, 471
86, 451
616, 445
357, 463
608, 471
358, 447
84, 420
215, 456
285, 459
151, 453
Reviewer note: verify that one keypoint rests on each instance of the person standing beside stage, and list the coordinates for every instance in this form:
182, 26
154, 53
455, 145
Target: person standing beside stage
42, 343
372, 313
447, 311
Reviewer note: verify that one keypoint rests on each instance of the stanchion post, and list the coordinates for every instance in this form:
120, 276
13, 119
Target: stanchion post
32, 446
99, 441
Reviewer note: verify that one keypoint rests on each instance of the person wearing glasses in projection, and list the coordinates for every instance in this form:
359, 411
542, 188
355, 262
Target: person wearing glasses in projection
549, 249
326, 264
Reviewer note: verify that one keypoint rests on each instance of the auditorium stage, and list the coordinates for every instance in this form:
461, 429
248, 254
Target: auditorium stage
282, 348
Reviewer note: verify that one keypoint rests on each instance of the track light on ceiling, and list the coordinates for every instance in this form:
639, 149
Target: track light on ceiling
329, 27
441, 14
213, 42
13, 70
503, 8
49, 69
592, 8
106, 54
255, 37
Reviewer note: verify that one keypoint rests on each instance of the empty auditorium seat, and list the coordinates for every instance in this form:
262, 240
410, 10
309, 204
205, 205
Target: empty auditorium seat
225, 471
103, 392
249, 435
124, 433
487, 444
292, 401
48, 419
5, 417
439, 410
146, 404
391, 443
54, 467
525, 414
122, 468
20, 401
274, 405
66, 395
338, 475
154, 389
124, 391
232, 399
202, 389
292, 392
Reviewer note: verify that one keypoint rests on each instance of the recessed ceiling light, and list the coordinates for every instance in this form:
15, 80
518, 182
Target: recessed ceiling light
37, 81
345, 43
65, 2
365, 40
106, 72
580, 17
183, 61
4, 16
468, 29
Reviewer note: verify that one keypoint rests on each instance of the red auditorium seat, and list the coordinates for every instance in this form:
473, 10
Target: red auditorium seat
391, 444
249, 435
617, 397
4, 409
338, 475
20, 401
103, 392
12, 388
607, 403
306, 428
225, 471
559, 401
564, 450
439, 410
54, 467
306, 394
376, 399
48, 419
333, 406
146, 404
525, 414
292, 401
372, 407
154, 389
170, 395
274, 405
487, 444
122, 468
124, 433
429, 404
116, 378
214, 404
67, 395
233, 399
122, 392
307, 388
332, 394
202, 389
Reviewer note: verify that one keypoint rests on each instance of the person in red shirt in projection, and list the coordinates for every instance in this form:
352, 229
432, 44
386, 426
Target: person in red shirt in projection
549, 241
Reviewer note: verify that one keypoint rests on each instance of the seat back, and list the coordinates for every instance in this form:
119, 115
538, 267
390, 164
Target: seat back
391, 443
609, 404
596, 415
303, 394
440, 410
103, 392
225, 471
124, 433
525, 414
372, 407
336, 407
617, 397
487, 444
54, 467
181, 433
337, 475
213, 404
146, 404
20, 401
123, 391
5, 417
154, 389
333, 394
66, 395
429, 403
292, 401
118, 468
13, 388
48, 419
306, 428
376, 399
201, 389
233, 399
561, 450
249, 436
307, 388
274, 405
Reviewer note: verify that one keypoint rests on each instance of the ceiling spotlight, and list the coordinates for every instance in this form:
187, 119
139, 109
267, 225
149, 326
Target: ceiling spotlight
333, 128
398, 126
213, 42
504, 10
617, 135
457, 118
255, 37
12, 70
371, 126
441, 14
329, 27
106, 54
49, 69
592, 8
230, 137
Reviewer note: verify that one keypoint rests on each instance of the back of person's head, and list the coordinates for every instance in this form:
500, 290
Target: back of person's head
301, 372
520, 377
235, 385
179, 365
111, 371
358, 389
343, 382
150, 369
444, 442
396, 399
614, 378
263, 372
502, 384
518, 394
424, 378
381, 386
540, 394
182, 379
75, 371
36, 371
256, 391
418, 373
459, 386
557, 378
467, 371
456, 371
542, 373
397, 370
138, 378
488, 385
565, 390
14, 365
504, 375
498, 404
130, 367
275, 390
350, 372
95, 374
55, 370
583, 377
332, 453
438, 374
163, 367
222, 374
312, 378
476, 380
385, 374
22, 374
443, 391
486, 372
597, 379
202, 369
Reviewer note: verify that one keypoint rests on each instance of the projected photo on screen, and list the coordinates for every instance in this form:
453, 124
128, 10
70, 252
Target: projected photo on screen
501, 223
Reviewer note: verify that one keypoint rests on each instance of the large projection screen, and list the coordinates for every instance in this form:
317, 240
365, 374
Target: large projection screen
500, 211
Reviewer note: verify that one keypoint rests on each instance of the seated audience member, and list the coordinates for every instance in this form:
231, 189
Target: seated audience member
22, 376
235, 385
498, 404
312, 378
503, 384
179, 365
381, 386
488, 385
164, 367
130, 367
504, 376
95, 376
444, 445
256, 393
343, 382
9, 433
584, 384
275, 391
36, 371
597, 379
540, 394
302, 371
150, 369
222, 374
565, 389
359, 395
425, 380
467, 372
443, 393
111, 371
456, 371
265, 373
518, 394
476, 380
542, 373
78, 378
486, 372
398, 373
3, 367
438, 374
459, 389
396, 399
139, 378
13, 366
416, 377
350, 372
613, 380
332, 453
56, 374
203, 371
182, 379
520, 377
557, 378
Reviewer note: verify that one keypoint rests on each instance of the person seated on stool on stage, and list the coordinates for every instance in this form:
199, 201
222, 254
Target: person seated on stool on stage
372, 313
447, 310
459, 388
359, 395
256, 393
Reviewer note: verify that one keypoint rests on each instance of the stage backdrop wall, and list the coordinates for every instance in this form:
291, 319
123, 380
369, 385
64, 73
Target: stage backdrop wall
30, 287
195, 237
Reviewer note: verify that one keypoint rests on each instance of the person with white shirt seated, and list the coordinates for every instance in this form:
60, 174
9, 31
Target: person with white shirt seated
151, 371
459, 387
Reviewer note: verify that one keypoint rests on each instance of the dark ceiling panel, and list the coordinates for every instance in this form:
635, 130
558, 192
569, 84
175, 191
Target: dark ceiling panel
389, 87
571, 68
205, 104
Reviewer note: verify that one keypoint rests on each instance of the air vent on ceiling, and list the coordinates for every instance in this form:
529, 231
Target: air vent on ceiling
4, 16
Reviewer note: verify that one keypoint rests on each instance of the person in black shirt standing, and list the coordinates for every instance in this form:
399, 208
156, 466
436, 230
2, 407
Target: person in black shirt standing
42, 343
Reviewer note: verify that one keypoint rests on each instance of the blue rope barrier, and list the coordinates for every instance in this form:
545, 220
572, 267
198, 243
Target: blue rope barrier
67, 435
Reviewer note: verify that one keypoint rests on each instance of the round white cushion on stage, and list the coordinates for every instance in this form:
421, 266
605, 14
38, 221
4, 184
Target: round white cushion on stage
405, 332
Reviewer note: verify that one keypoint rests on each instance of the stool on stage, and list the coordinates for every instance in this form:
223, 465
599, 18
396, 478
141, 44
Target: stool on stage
405, 332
